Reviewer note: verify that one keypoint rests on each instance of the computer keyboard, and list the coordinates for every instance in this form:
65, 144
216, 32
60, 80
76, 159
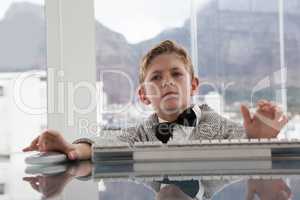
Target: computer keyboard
227, 149
205, 142
218, 142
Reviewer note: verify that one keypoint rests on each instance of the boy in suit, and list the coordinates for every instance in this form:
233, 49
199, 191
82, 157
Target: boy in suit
167, 82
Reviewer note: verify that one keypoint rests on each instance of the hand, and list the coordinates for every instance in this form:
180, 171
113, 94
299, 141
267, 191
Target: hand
51, 140
84, 168
266, 122
53, 185
49, 186
268, 189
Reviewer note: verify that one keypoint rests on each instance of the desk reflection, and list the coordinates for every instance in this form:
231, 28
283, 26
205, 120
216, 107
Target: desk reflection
166, 188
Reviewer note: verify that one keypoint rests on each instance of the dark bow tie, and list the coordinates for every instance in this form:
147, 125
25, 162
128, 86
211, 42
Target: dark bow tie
189, 187
163, 131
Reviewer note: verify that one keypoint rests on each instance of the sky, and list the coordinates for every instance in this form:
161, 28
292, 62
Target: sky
137, 20
4, 4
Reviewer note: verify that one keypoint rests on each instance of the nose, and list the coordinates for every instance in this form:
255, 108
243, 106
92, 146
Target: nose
167, 81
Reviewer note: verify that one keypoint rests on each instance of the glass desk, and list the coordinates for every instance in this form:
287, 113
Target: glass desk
267, 180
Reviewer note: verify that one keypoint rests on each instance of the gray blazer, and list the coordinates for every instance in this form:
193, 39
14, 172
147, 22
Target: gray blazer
211, 125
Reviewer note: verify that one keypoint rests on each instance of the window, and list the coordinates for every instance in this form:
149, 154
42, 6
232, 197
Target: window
247, 50
238, 53
242, 51
22, 64
290, 59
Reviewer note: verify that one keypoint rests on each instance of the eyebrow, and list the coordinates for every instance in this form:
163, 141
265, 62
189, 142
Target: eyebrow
155, 72
175, 68
159, 71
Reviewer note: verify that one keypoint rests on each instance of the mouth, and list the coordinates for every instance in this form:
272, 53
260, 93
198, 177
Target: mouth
170, 94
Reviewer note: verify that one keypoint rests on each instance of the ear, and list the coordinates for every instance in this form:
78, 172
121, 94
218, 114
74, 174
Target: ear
195, 85
142, 95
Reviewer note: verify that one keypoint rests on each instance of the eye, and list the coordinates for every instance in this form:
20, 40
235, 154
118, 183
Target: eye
155, 78
176, 74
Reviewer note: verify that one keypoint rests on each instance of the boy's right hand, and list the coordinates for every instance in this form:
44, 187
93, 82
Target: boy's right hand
51, 140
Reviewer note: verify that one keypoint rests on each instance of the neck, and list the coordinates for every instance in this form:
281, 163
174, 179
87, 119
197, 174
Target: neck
168, 117
171, 116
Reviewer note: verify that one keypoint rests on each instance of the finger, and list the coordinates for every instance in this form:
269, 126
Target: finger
278, 113
268, 110
262, 102
26, 149
33, 182
263, 109
33, 146
246, 115
44, 141
43, 146
266, 106
41, 143
35, 186
72, 155
284, 120
29, 179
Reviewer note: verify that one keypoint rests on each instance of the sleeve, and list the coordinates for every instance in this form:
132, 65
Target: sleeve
129, 135
231, 129
212, 187
84, 140
214, 126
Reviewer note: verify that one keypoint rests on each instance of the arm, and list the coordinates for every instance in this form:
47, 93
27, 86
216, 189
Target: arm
81, 149
214, 126
51, 140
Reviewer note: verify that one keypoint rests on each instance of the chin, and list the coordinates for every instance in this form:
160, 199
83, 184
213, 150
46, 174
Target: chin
171, 106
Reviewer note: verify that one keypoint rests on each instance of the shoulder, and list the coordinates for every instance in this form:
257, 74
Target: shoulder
204, 107
144, 124
207, 113
142, 131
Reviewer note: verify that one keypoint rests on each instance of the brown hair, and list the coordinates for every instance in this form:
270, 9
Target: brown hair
166, 46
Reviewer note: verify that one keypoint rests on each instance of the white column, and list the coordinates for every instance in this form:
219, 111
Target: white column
71, 66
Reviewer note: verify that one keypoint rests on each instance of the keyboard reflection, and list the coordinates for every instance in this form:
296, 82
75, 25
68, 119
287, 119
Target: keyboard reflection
272, 181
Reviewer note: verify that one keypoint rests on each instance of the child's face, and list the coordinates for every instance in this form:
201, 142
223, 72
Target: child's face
168, 85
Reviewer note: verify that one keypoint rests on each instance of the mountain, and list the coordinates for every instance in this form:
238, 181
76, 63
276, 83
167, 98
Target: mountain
23, 47
238, 45
116, 58
237, 42
22, 38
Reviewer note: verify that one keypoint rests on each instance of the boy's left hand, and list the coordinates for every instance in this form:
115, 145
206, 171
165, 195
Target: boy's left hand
267, 121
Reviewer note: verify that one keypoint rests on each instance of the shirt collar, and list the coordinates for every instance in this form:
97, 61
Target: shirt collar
195, 108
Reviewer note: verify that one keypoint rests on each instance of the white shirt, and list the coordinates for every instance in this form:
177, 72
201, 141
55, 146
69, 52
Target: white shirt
180, 132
